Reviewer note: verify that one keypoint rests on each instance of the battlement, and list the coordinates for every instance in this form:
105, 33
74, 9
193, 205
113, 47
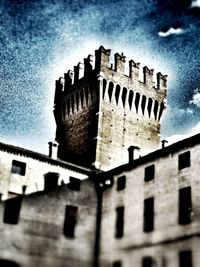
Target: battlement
101, 63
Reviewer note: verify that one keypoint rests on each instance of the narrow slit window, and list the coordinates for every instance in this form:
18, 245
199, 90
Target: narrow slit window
143, 104
117, 92
121, 183
110, 90
18, 167
149, 106
70, 221
184, 160
162, 106
148, 215
104, 87
155, 110
124, 93
130, 99
119, 231
149, 173
185, 205
137, 100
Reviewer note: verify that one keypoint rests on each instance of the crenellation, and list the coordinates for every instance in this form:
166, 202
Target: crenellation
134, 70
87, 65
102, 58
77, 70
119, 62
161, 81
148, 76
68, 78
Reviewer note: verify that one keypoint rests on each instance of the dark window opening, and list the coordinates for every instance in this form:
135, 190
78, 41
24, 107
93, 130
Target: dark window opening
50, 181
130, 99
148, 214
143, 104
70, 220
119, 222
162, 106
104, 87
155, 110
12, 210
147, 262
86, 95
185, 258
110, 90
149, 173
82, 98
137, 100
18, 167
72, 101
124, 93
74, 184
117, 264
8, 263
68, 106
77, 101
149, 106
185, 205
117, 92
121, 183
184, 160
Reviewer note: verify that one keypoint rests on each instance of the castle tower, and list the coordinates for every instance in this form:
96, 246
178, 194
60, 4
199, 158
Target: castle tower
100, 115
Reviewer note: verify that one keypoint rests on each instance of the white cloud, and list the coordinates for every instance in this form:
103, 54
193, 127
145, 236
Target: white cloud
195, 3
171, 31
196, 98
177, 137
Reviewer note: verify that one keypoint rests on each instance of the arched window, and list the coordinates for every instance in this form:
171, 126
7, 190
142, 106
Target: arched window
8, 263
137, 100
117, 92
144, 99
149, 106
130, 99
155, 110
104, 87
124, 93
162, 106
110, 90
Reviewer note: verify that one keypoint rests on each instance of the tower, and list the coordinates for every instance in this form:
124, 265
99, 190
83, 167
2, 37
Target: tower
100, 115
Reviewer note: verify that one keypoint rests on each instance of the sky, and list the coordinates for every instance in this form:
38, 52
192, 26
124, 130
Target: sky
41, 39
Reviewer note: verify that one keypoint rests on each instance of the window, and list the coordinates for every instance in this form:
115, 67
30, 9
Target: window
12, 210
18, 167
50, 181
117, 264
119, 222
184, 160
148, 214
185, 205
121, 183
149, 173
185, 258
74, 184
147, 262
70, 220
8, 263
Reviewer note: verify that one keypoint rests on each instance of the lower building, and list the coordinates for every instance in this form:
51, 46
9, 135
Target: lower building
144, 213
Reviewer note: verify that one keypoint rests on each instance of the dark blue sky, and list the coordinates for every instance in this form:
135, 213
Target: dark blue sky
42, 39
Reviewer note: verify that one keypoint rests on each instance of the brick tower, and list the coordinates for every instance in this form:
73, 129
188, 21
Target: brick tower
100, 115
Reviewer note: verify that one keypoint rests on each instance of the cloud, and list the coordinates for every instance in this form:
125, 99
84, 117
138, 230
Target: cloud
196, 98
195, 3
177, 137
171, 31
